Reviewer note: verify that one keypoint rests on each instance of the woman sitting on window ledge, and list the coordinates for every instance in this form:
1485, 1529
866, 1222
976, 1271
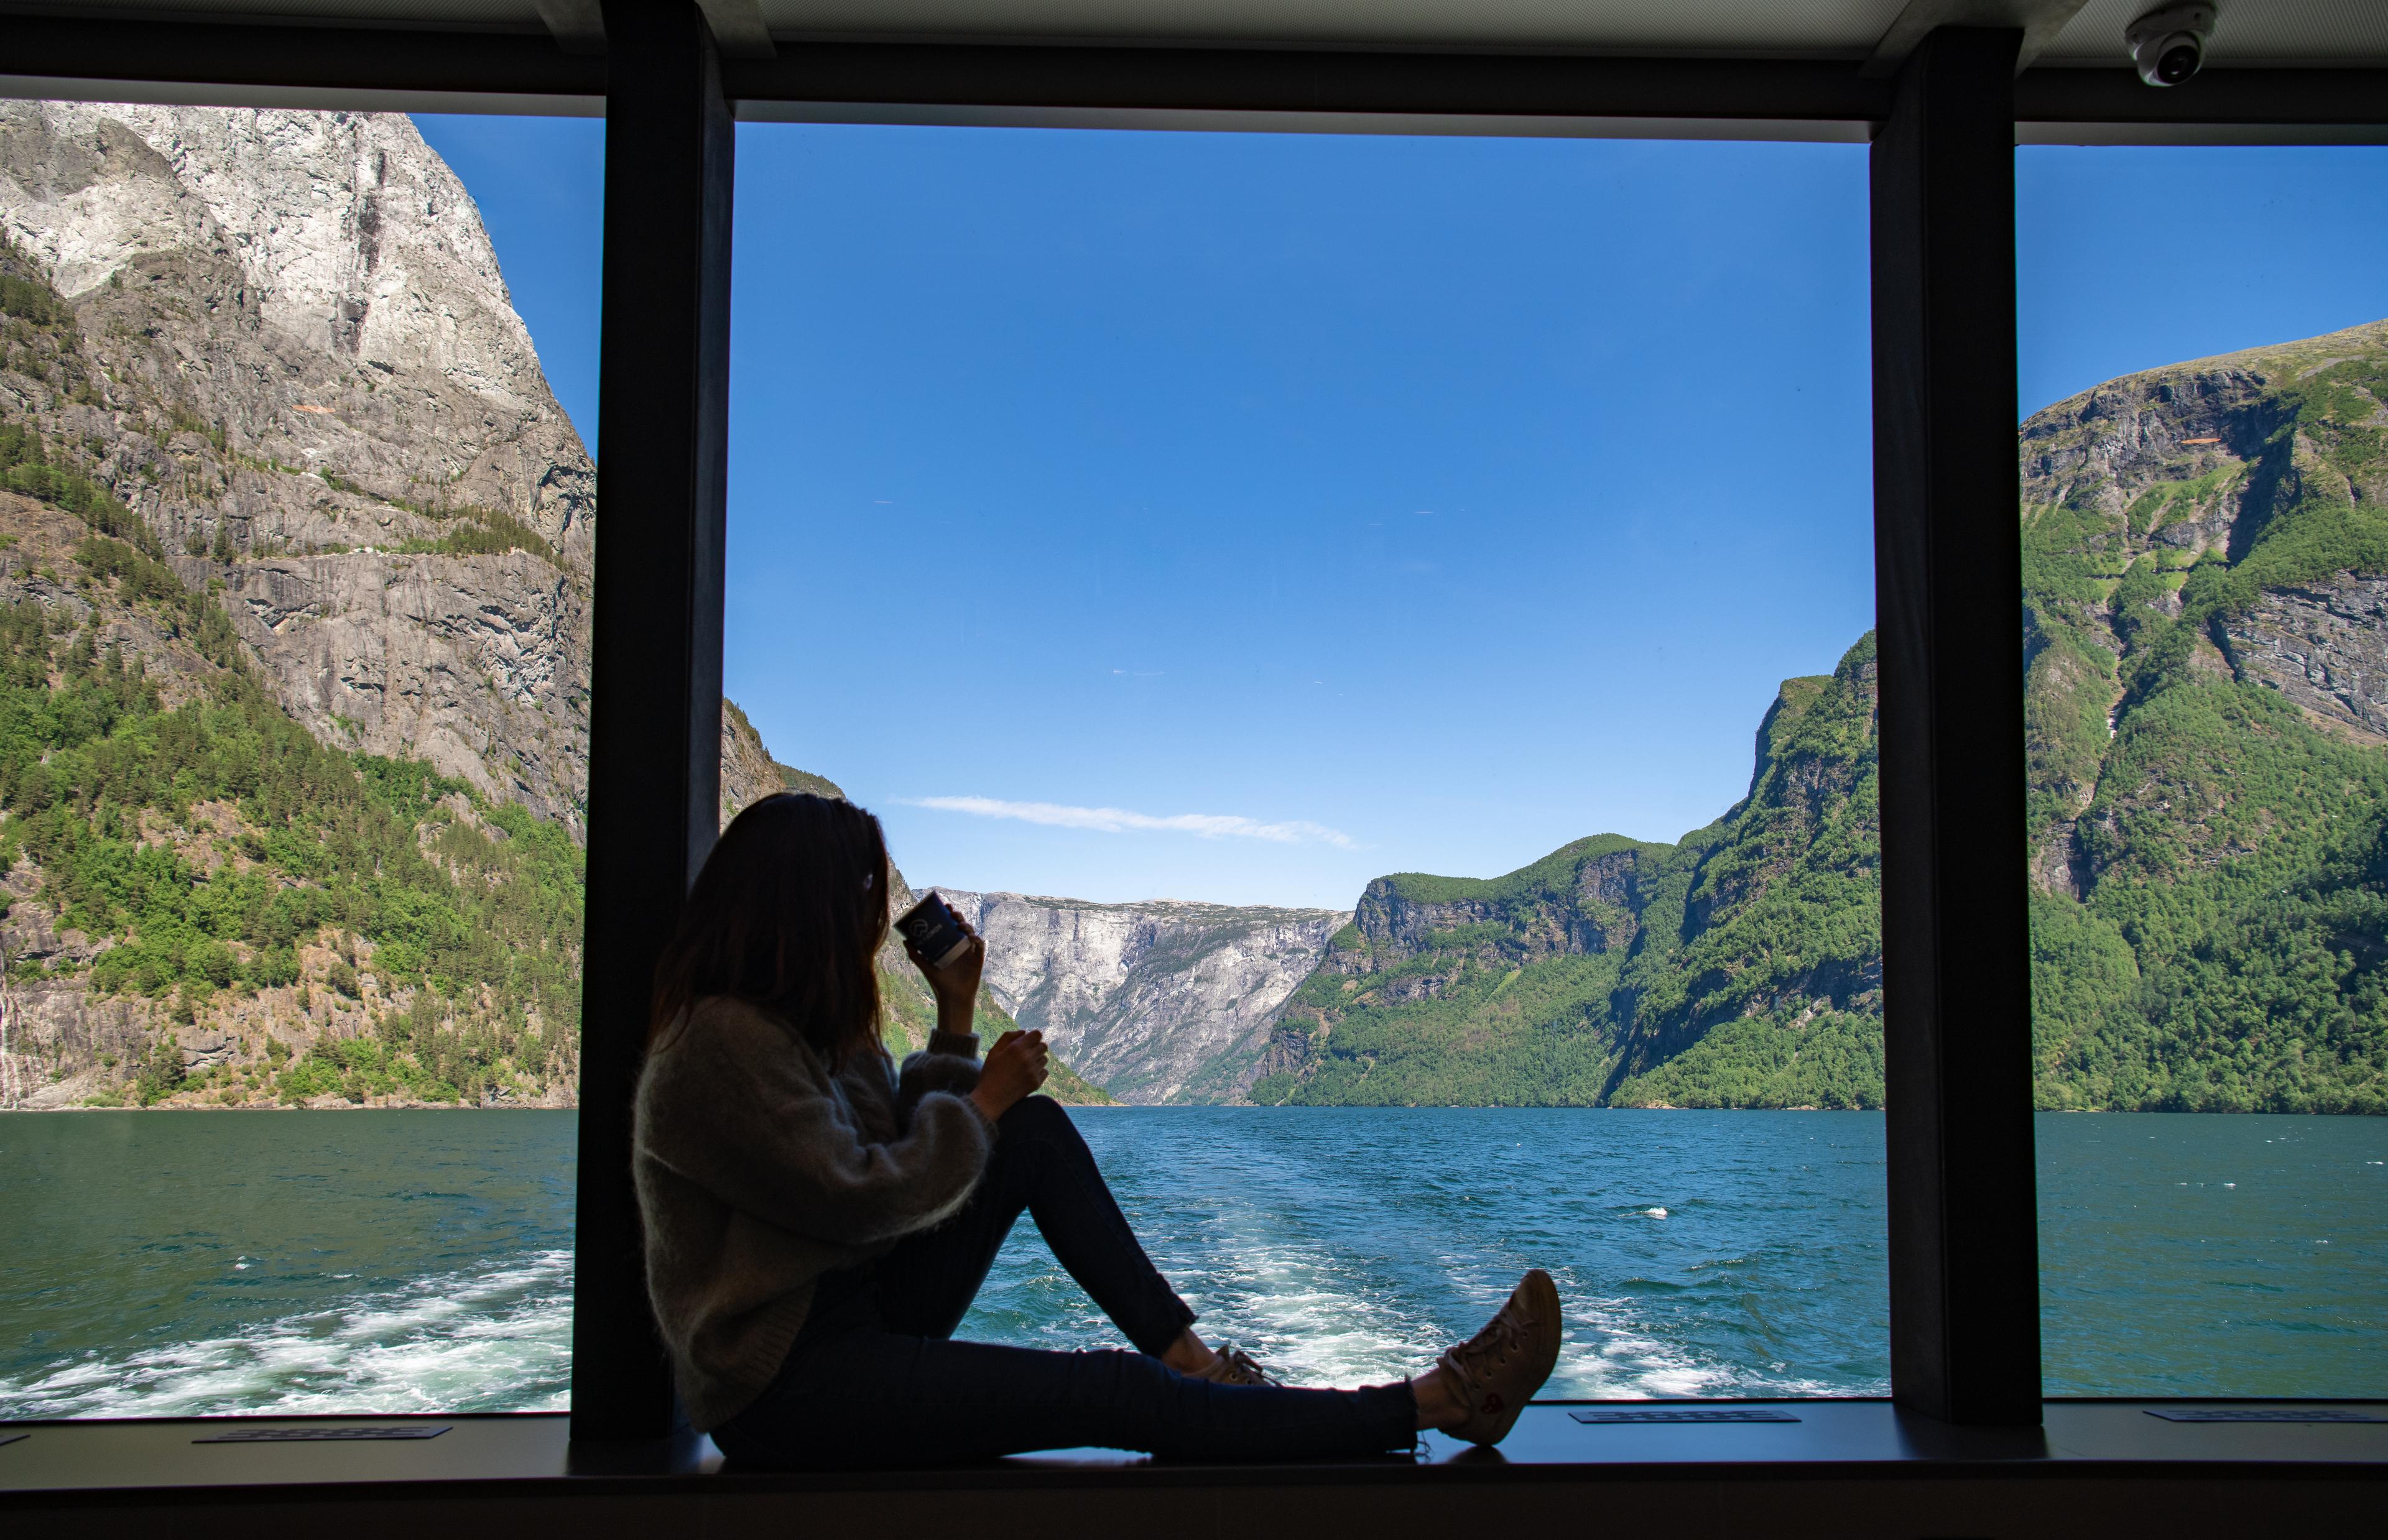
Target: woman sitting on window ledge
816, 1225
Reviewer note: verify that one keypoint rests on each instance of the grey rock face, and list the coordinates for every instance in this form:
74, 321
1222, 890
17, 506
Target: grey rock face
456, 660
2325, 647
1405, 926
2106, 439
748, 772
1159, 1002
310, 298
208, 1048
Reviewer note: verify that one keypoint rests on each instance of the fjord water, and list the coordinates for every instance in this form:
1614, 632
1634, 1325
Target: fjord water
176, 1263
164, 1264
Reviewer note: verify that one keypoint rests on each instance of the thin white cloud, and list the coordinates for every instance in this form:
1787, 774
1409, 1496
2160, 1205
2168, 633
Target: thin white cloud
1120, 820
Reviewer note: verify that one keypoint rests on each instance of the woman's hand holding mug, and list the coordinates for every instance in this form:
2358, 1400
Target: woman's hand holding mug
956, 984
1014, 1067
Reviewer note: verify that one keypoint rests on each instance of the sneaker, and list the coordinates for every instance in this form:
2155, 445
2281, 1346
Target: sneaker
1497, 1370
1232, 1365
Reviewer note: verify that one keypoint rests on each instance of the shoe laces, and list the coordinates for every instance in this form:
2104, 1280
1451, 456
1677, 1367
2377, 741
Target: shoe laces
1502, 1337
1239, 1368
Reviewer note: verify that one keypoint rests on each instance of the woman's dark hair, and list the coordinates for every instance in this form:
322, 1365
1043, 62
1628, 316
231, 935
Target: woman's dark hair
788, 914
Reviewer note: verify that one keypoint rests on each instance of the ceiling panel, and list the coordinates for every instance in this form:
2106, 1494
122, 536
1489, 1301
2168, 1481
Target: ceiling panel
2250, 32
2246, 33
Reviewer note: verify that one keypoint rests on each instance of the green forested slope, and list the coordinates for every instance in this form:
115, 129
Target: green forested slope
1736, 969
2206, 671
2202, 553
217, 858
193, 864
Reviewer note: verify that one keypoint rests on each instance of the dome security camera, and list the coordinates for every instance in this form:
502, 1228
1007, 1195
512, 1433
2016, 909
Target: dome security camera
2169, 44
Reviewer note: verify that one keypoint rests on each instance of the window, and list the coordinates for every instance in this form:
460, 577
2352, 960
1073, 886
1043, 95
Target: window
293, 756
2204, 560
1311, 600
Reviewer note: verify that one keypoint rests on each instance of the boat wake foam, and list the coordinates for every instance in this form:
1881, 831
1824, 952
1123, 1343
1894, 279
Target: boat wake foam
495, 1341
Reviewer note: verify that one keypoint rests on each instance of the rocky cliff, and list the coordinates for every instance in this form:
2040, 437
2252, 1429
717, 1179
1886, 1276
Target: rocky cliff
278, 459
300, 370
1156, 1001
749, 771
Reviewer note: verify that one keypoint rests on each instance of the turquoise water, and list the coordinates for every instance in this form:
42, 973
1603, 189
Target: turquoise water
2204, 1254
176, 1263
1699, 1254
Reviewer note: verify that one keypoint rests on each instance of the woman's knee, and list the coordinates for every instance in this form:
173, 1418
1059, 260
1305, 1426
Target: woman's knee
1038, 1117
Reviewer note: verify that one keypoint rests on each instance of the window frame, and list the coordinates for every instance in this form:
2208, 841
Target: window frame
1964, 1257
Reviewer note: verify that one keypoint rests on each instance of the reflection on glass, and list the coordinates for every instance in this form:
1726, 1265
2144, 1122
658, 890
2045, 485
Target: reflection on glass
2205, 592
295, 545
1297, 592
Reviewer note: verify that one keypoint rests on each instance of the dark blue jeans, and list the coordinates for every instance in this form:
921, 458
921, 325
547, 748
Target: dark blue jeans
875, 1380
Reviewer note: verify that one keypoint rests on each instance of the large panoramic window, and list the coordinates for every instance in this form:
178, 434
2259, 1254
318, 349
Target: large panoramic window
2205, 590
1377, 633
296, 528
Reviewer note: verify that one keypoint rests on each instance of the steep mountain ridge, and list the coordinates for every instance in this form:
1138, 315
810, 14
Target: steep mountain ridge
2205, 687
292, 728
2205, 552
1163, 1001
299, 368
1737, 968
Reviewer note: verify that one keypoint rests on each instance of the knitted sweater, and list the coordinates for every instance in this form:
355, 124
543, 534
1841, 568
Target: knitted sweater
758, 1171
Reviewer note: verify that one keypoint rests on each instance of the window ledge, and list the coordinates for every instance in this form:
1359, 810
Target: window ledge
155, 1461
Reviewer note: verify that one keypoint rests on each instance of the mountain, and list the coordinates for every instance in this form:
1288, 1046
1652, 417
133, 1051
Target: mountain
1739, 966
2205, 594
2205, 684
299, 369
749, 772
293, 602
1157, 1002
294, 558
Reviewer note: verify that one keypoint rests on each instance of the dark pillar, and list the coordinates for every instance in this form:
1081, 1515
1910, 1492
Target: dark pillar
654, 727
1965, 1281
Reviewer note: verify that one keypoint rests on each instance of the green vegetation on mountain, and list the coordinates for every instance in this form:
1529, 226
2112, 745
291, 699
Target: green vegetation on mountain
221, 864
2210, 918
1735, 969
214, 840
2206, 595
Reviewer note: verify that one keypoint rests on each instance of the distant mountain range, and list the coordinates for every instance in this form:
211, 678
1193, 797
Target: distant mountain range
2205, 681
1740, 968
295, 547
1157, 1002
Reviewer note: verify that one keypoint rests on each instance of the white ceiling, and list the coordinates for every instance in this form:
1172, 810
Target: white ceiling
2249, 32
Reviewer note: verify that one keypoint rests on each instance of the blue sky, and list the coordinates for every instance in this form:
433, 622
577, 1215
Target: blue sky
1241, 517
